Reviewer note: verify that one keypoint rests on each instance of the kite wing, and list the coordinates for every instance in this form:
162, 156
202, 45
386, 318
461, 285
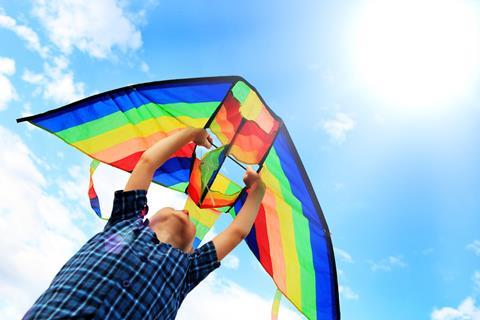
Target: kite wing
290, 236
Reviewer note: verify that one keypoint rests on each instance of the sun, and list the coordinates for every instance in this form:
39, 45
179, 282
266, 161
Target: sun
416, 53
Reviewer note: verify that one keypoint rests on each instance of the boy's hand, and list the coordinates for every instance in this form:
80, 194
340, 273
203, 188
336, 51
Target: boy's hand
251, 177
202, 138
241, 226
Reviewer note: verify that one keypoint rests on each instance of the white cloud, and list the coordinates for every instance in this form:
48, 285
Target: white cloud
144, 67
343, 255
231, 262
467, 310
37, 235
217, 298
93, 27
7, 66
474, 247
23, 32
56, 82
387, 264
7, 90
32, 77
348, 293
476, 280
338, 127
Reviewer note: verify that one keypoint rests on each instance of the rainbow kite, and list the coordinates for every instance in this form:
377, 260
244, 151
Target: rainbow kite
290, 237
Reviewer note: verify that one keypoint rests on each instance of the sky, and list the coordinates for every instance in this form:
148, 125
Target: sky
380, 99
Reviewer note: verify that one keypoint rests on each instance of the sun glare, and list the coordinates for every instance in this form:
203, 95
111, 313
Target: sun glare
417, 53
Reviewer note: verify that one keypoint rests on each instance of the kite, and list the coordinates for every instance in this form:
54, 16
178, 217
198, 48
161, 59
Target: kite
290, 237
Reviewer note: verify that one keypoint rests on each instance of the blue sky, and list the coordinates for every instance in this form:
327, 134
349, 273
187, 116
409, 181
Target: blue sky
379, 98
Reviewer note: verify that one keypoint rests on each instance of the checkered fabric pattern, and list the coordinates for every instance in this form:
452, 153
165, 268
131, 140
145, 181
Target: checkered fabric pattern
124, 272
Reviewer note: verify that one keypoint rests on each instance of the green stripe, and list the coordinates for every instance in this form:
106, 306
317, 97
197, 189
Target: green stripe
201, 229
202, 110
240, 91
302, 236
94, 164
209, 165
233, 188
181, 186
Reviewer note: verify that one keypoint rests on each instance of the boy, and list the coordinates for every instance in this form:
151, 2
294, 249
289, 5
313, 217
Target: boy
136, 269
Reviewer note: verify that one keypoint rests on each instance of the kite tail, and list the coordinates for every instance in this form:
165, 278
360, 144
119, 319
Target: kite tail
92, 194
276, 304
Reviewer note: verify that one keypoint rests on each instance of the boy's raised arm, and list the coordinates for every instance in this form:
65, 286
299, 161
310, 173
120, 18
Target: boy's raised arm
241, 225
157, 154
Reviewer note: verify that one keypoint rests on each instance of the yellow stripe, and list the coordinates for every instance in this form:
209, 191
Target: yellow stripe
287, 233
251, 107
222, 183
215, 128
207, 217
129, 131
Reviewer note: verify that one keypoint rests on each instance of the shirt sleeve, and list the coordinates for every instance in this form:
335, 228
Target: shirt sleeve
128, 204
203, 260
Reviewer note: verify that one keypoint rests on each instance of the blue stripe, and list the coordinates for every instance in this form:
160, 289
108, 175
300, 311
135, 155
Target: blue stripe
251, 238
196, 242
324, 281
128, 98
95, 204
324, 274
173, 171
294, 176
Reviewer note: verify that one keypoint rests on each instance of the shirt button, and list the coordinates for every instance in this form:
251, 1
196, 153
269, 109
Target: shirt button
126, 283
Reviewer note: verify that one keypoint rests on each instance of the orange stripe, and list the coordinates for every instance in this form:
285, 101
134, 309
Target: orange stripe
275, 241
131, 146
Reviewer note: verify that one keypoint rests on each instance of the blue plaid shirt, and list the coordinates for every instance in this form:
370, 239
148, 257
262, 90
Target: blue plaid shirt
124, 272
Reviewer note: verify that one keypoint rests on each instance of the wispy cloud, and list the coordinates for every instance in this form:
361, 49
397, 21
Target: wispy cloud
338, 127
93, 27
23, 32
467, 310
343, 255
144, 67
7, 90
476, 280
474, 246
231, 262
348, 293
387, 264
57, 82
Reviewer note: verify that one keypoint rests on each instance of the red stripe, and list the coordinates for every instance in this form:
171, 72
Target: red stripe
193, 188
229, 115
91, 193
262, 241
129, 162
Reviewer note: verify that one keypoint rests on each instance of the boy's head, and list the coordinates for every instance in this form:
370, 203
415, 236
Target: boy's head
174, 227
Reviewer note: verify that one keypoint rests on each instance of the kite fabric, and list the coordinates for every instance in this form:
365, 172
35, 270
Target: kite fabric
290, 237
92, 194
276, 304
